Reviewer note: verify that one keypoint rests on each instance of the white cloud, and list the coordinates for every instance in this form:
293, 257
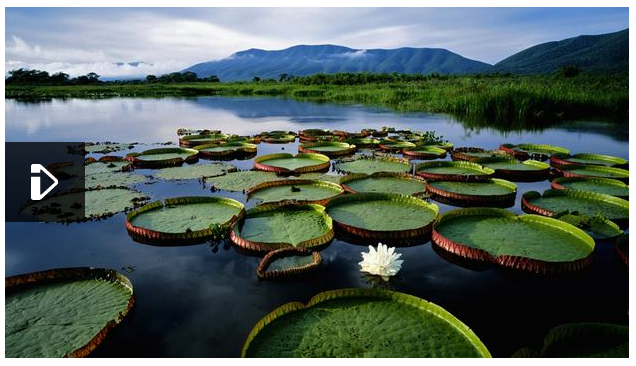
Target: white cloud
353, 55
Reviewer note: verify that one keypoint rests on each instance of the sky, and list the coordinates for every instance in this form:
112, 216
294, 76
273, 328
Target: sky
104, 40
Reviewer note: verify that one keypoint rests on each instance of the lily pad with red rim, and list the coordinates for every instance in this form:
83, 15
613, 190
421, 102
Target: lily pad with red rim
299, 190
183, 220
594, 171
373, 164
284, 163
330, 149
362, 323
63, 312
612, 187
195, 140
539, 152
288, 262
424, 152
273, 226
163, 157
528, 243
518, 171
588, 159
384, 182
462, 171
493, 193
382, 216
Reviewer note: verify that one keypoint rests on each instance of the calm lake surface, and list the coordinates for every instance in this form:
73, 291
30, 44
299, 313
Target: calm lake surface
203, 300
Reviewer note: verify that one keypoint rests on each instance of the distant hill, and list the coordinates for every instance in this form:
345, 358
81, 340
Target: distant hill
306, 60
604, 52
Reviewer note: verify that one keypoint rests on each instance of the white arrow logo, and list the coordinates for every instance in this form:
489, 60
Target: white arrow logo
35, 182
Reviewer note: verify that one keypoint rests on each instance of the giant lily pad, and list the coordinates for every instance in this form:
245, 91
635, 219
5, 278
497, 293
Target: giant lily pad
98, 203
225, 149
163, 157
363, 142
476, 154
533, 151
381, 216
612, 187
273, 226
195, 140
598, 226
441, 144
63, 312
241, 180
578, 340
527, 242
384, 182
392, 145
313, 134
195, 171
362, 323
330, 149
287, 262
373, 164
107, 147
588, 159
594, 171
424, 152
463, 171
109, 171
514, 170
184, 219
114, 179
299, 190
554, 201
279, 138
493, 193
288, 163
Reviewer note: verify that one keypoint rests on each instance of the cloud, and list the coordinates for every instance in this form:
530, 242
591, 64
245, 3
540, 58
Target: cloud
353, 55
74, 39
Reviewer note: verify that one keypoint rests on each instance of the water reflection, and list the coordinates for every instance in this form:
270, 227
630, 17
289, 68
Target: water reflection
202, 300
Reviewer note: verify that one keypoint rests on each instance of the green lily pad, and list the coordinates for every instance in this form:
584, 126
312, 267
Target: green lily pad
195, 140
370, 165
382, 215
225, 149
305, 191
363, 141
554, 201
526, 242
184, 218
362, 323
287, 262
442, 145
116, 179
330, 149
63, 312
595, 171
612, 187
273, 226
598, 227
280, 139
518, 171
392, 145
107, 147
453, 170
534, 151
286, 163
578, 340
241, 180
424, 152
320, 176
157, 158
98, 203
594, 159
384, 183
195, 171
494, 187
476, 154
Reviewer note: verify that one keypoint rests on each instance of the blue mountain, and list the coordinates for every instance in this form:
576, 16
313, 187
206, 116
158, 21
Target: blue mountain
306, 60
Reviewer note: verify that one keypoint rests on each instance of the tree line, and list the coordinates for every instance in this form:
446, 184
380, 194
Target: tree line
38, 77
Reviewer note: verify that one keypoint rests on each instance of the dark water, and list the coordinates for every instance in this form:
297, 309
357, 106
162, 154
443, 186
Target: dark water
202, 300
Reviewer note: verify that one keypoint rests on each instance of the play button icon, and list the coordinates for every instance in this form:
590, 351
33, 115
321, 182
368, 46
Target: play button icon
36, 193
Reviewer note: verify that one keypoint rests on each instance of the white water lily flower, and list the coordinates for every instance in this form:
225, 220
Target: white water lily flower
383, 262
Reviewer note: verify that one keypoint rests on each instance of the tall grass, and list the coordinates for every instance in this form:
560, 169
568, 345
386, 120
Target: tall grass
499, 100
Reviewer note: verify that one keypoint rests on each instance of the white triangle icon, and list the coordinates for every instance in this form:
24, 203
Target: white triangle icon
35, 182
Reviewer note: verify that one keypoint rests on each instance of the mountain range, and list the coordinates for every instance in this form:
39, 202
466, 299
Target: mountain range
605, 52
